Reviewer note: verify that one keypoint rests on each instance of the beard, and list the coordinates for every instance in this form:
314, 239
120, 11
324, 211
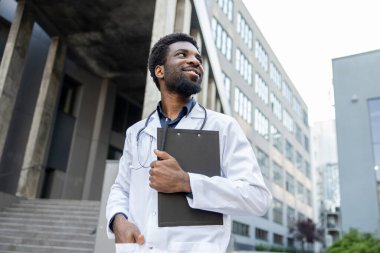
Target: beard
181, 85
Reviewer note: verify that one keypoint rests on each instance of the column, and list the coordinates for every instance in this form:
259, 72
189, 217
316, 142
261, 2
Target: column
183, 16
12, 66
42, 124
211, 95
96, 142
163, 24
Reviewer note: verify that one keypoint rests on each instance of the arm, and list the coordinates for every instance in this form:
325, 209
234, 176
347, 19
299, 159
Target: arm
117, 209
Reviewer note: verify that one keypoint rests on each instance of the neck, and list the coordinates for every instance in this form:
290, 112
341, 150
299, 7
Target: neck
172, 104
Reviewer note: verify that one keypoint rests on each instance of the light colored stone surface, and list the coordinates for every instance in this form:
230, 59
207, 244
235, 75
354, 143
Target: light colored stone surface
38, 141
12, 65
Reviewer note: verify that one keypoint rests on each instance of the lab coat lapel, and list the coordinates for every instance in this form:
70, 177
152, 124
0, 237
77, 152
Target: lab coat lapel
152, 126
194, 120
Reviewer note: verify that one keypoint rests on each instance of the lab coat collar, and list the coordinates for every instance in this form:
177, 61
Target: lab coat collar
192, 121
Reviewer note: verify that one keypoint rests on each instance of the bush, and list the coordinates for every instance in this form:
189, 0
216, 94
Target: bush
355, 242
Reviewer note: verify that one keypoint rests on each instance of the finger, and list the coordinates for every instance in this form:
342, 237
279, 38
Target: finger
153, 164
140, 239
162, 154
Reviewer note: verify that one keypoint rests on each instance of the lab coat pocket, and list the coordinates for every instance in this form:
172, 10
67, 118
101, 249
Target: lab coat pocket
127, 248
193, 247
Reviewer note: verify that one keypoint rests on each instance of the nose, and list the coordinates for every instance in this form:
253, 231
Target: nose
192, 59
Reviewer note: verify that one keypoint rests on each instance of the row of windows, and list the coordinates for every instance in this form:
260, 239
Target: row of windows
221, 39
261, 88
278, 211
243, 106
276, 106
243, 66
227, 7
244, 30
261, 55
261, 124
224, 43
278, 177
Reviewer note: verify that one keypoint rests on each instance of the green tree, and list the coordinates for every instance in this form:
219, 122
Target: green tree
355, 242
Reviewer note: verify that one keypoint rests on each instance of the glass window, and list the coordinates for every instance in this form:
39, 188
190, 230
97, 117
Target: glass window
290, 187
244, 30
278, 239
261, 234
261, 55
306, 143
276, 106
307, 169
300, 191
261, 124
288, 121
243, 106
287, 92
278, 175
308, 197
299, 161
289, 151
239, 228
243, 66
277, 211
291, 217
298, 133
263, 161
275, 75
222, 40
261, 88
276, 138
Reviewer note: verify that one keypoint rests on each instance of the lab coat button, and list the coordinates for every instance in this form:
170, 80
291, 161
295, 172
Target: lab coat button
151, 247
154, 213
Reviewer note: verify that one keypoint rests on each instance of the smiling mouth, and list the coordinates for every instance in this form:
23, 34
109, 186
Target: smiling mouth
194, 72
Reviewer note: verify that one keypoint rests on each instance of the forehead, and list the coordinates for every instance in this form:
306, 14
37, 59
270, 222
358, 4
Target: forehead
182, 45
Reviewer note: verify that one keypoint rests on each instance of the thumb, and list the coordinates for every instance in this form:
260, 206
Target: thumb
140, 239
162, 155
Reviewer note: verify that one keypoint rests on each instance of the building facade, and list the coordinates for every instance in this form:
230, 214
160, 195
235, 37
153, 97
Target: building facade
325, 166
357, 109
73, 77
274, 117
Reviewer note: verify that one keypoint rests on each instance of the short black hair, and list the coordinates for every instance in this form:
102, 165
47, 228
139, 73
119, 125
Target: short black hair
159, 51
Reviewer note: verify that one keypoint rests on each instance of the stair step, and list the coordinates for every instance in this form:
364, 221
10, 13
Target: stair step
42, 221
66, 216
47, 228
33, 241
91, 213
47, 235
42, 248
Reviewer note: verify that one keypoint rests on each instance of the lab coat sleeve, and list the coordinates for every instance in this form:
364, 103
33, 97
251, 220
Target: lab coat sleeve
240, 190
118, 200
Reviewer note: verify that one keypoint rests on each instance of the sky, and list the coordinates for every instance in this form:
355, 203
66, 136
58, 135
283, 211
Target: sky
306, 35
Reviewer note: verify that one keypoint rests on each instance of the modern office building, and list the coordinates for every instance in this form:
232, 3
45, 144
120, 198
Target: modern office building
73, 77
357, 109
268, 107
326, 169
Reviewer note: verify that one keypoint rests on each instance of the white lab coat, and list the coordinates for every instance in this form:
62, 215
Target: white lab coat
239, 190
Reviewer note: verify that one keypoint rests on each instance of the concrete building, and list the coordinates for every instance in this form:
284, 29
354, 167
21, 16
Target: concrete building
73, 77
268, 107
325, 165
357, 109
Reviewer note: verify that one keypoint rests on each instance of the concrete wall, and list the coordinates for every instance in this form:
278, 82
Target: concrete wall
356, 79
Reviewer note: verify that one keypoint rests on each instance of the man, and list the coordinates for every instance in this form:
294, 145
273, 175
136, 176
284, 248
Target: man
175, 65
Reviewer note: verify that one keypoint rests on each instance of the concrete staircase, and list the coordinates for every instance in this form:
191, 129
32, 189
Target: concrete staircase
49, 226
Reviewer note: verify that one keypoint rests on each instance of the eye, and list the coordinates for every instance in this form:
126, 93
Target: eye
181, 54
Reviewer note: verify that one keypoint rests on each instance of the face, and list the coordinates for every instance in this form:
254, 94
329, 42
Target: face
183, 70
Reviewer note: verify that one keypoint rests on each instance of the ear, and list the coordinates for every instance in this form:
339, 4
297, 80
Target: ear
159, 71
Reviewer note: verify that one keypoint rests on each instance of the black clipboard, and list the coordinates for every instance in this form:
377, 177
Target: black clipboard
196, 151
